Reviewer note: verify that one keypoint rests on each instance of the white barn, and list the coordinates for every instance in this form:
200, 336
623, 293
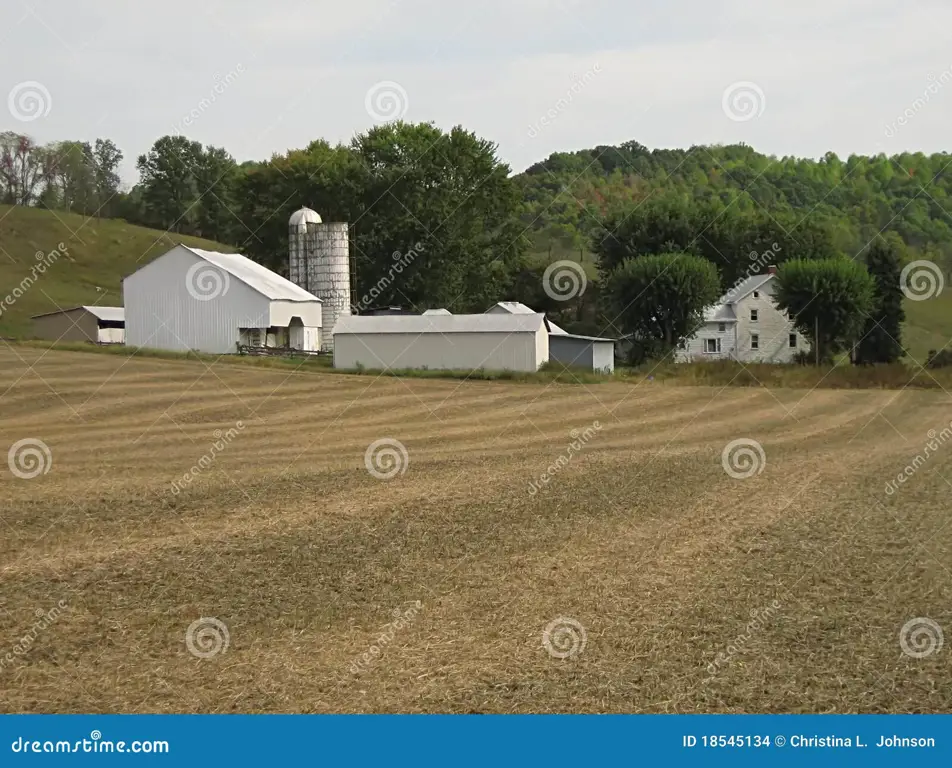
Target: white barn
190, 299
746, 325
570, 349
442, 342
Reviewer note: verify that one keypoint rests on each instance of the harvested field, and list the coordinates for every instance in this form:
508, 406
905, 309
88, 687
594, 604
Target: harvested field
696, 591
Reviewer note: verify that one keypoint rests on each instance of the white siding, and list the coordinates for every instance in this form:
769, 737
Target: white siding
308, 311
696, 348
603, 356
162, 314
772, 327
111, 335
541, 351
443, 351
305, 338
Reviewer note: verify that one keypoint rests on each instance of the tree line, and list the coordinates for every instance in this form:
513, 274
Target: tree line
68, 175
663, 233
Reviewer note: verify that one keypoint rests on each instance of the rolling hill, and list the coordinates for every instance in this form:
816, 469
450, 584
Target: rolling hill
98, 254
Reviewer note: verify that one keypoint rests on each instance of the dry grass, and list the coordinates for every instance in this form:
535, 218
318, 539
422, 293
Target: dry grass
288, 540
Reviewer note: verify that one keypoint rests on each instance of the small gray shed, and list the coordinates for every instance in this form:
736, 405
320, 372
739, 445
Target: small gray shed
101, 325
590, 352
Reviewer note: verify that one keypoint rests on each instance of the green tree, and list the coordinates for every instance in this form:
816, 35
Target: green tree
215, 173
169, 190
74, 173
105, 158
660, 299
449, 192
882, 335
739, 242
321, 177
828, 300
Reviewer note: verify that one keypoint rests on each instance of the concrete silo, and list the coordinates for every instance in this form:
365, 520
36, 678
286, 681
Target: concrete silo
319, 262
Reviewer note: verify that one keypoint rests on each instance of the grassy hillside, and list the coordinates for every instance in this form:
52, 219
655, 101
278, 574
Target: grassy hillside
928, 324
99, 253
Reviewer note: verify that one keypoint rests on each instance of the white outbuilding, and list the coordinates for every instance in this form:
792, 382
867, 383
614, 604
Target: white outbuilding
518, 308
191, 299
442, 342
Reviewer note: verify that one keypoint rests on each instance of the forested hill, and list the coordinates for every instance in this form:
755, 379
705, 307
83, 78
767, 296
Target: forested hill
568, 195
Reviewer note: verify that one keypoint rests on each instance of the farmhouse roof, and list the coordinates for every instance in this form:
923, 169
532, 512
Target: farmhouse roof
720, 313
744, 288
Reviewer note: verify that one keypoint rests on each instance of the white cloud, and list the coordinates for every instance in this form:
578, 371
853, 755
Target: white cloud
834, 72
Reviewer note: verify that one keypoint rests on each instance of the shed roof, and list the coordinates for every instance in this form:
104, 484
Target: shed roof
112, 314
518, 308
440, 324
254, 275
437, 312
586, 338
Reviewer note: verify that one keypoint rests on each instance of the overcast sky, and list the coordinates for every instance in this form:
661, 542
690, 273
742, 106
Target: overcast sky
536, 76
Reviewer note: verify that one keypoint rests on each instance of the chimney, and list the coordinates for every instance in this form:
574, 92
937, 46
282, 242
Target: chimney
772, 269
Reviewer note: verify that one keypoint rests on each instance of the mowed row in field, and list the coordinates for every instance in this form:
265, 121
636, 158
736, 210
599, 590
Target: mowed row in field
305, 558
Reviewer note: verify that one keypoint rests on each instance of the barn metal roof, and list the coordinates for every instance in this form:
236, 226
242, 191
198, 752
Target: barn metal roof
254, 275
440, 324
518, 308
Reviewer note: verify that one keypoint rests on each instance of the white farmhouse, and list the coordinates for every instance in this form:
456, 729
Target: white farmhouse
746, 325
442, 342
190, 299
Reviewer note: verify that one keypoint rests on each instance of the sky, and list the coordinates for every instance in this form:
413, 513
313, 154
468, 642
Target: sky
788, 77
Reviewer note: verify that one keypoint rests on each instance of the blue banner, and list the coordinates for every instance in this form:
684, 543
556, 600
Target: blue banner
476, 740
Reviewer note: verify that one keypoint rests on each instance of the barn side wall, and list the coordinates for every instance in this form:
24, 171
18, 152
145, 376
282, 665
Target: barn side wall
163, 313
440, 351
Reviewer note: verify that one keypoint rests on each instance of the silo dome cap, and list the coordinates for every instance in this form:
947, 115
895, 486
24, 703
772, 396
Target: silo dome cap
304, 216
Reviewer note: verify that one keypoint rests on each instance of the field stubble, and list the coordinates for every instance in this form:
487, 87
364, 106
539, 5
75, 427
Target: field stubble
286, 538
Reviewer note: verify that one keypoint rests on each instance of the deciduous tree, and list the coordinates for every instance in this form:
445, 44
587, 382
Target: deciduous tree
660, 299
828, 301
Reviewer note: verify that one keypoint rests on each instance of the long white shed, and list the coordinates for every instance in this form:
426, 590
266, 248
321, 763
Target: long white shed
442, 342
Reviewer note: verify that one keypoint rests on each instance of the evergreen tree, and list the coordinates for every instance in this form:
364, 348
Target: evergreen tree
882, 334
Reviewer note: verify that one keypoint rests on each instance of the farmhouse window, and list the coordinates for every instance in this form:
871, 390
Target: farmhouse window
756, 294
721, 327
712, 346
793, 341
753, 315
754, 341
